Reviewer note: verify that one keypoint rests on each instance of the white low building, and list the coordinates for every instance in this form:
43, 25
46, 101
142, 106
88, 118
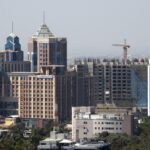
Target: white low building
86, 124
54, 141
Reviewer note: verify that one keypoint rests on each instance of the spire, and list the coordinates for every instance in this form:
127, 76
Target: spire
12, 27
43, 30
12, 34
43, 17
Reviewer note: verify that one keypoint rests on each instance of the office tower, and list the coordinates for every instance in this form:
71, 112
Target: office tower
45, 49
11, 59
13, 46
12, 43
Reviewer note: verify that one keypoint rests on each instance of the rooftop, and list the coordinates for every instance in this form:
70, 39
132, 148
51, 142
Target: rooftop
13, 35
87, 115
44, 32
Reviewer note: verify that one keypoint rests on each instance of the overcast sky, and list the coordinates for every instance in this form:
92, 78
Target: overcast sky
91, 26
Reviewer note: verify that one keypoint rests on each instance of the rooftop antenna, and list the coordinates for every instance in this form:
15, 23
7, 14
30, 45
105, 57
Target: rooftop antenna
43, 17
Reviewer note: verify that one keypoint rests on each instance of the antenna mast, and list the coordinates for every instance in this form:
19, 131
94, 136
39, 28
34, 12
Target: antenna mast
12, 27
43, 17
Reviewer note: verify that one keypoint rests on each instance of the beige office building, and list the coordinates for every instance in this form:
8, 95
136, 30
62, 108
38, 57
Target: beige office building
41, 96
36, 95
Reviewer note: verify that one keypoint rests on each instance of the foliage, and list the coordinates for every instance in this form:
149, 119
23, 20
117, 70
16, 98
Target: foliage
14, 140
126, 142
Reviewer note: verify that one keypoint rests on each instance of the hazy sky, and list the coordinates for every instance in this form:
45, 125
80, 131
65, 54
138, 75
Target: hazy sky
91, 26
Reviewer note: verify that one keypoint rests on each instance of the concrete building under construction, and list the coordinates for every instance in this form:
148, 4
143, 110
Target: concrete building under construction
115, 81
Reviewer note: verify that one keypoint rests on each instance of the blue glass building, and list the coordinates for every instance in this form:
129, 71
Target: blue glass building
13, 44
139, 85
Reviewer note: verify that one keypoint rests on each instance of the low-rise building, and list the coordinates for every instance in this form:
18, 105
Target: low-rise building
88, 146
87, 124
58, 141
54, 142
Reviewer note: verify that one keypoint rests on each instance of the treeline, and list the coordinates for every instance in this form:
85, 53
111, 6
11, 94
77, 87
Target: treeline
141, 141
14, 140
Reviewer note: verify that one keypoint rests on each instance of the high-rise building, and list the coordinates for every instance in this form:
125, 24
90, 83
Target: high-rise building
45, 49
14, 47
116, 82
13, 43
41, 96
11, 59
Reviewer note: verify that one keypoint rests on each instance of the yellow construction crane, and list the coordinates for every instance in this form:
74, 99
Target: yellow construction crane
125, 49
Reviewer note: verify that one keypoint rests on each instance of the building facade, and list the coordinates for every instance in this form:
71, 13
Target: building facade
15, 66
42, 96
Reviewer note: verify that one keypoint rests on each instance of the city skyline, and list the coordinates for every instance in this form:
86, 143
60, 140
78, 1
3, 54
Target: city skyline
90, 31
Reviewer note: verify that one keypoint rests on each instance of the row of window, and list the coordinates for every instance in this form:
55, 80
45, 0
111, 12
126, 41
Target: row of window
85, 122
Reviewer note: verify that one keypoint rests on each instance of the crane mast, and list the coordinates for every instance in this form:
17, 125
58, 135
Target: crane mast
125, 47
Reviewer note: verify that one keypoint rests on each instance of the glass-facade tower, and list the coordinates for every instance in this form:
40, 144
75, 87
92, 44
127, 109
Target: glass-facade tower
44, 49
13, 48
